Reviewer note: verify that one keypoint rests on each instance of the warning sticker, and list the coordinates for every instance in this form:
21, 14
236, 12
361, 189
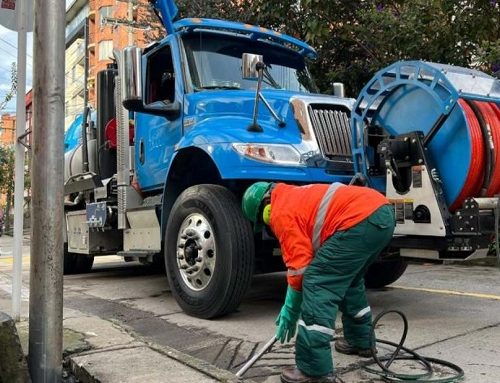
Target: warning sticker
403, 209
416, 175
409, 210
399, 211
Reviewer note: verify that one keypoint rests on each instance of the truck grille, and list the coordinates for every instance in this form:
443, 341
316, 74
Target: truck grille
331, 125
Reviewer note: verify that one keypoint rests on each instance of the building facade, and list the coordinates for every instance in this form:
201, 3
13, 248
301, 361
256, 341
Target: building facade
74, 73
112, 24
7, 129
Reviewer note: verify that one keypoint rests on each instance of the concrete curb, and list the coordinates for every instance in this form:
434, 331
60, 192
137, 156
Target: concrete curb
13, 365
199, 365
188, 360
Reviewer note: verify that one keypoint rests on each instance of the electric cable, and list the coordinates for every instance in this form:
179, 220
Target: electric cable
387, 374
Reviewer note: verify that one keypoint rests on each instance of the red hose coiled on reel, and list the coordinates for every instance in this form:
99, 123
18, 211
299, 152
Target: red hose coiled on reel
489, 114
475, 174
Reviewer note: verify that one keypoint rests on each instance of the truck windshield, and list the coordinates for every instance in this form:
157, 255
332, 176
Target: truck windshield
215, 63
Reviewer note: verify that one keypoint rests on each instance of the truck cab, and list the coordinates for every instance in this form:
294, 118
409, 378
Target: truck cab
203, 132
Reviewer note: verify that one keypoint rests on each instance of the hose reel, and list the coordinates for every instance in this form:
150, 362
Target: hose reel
456, 109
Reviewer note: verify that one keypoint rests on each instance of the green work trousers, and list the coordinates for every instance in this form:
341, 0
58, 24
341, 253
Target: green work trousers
335, 280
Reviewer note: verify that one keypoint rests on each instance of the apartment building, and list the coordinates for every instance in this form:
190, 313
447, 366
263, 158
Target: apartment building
75, 57
7, 129
112, 24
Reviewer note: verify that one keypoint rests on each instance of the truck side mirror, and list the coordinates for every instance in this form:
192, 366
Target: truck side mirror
249, 68
131, 88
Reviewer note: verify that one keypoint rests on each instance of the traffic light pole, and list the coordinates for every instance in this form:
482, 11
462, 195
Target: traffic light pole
46, 275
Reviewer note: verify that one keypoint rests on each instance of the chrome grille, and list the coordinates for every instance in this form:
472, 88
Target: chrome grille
332, 127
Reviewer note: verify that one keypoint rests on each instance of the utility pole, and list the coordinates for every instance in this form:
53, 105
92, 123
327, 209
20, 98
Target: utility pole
17, 278
46, 276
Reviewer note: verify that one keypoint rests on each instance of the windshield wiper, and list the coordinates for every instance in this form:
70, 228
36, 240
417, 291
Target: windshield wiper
207, 87
270, 80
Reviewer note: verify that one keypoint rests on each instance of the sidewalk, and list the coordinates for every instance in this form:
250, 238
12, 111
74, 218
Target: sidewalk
116, 354
100, 350
97, 350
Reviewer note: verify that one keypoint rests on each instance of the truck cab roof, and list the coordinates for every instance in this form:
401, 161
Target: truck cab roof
252, 32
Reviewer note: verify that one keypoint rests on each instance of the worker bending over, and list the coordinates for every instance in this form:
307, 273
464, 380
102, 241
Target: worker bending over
329, 235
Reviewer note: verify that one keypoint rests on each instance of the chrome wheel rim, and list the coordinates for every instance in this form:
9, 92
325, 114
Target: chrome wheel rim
196, 251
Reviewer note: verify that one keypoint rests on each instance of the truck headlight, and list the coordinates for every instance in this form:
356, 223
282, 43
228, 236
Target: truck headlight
271, 153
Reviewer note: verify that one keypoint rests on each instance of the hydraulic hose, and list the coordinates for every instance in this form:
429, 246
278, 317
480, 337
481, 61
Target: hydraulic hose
474, 180
489, 149
385, 362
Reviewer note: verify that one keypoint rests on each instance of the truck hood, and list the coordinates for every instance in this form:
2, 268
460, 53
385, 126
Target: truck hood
229, 111
236, 102
223, 117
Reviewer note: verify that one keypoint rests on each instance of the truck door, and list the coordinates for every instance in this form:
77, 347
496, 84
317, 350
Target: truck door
156, 136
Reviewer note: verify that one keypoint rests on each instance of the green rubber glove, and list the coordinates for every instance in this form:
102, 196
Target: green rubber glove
289, 315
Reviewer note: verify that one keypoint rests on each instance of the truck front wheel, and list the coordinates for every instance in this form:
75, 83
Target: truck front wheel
209, 252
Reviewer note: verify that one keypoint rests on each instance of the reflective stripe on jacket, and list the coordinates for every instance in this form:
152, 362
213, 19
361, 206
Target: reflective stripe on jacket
303, 217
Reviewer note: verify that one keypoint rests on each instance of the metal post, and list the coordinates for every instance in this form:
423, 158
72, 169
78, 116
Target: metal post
46, 276
17, 277
86, 111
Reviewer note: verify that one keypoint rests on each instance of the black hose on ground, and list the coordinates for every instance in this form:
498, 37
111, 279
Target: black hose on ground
427, 363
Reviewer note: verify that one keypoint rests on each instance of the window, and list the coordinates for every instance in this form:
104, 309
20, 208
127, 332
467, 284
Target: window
80, 49
73, 74
105, 49
161, 76
105, 12
215, 63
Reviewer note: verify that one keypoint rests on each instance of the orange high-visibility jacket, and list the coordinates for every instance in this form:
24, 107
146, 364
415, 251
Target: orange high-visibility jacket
304, 217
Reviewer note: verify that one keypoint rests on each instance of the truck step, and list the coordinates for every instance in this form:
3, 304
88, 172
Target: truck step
136, 253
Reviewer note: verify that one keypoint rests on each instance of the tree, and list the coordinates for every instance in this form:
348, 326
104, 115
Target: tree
356, 38
232, 10
7, 155
7, 180
13, 87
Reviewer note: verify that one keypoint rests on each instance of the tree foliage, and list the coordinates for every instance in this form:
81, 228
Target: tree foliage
354, 39
7, 153
7, 180
6, 169
13, 87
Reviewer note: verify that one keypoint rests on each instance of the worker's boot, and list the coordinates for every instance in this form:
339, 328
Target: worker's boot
294, 375
342, 346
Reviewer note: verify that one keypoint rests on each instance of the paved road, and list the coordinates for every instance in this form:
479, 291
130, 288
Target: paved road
454, 313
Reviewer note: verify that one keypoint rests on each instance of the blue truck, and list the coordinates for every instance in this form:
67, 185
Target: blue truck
216, 106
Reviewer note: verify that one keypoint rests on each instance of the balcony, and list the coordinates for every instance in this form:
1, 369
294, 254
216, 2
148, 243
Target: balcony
75, 87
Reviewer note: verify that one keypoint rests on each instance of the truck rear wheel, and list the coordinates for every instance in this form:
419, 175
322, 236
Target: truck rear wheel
385, 271
209, 252
76, 263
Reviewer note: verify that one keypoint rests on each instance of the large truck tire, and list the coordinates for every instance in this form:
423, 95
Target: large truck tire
76, 263
209, 251
383, 272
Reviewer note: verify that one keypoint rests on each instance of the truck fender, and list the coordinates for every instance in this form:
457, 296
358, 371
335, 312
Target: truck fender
181, 175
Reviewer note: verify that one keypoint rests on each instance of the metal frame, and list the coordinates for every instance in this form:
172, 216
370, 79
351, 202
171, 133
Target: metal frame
455, 81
